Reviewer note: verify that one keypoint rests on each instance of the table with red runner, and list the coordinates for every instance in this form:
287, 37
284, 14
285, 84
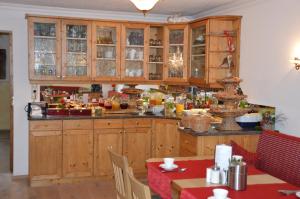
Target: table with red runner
257, 191
160, 182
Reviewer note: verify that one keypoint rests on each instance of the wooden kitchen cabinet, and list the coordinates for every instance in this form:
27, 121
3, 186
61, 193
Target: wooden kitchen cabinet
137, 148
106, 54
76, 49
107, 134
44, 43
176, 53
77, 148
214, 50
205, 145
134, 48
45, 150
165, 138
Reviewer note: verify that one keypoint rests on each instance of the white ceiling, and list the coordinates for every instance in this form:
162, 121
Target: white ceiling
167, 7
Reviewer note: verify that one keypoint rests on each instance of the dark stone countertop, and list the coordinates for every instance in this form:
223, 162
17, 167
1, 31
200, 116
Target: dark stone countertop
219, 132
103, 116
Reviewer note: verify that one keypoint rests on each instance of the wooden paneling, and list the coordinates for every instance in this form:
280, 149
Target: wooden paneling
165, 138
103, 139
77, 124
45, 125
45, 158
205, 145
137, 144
108, 124
77, 153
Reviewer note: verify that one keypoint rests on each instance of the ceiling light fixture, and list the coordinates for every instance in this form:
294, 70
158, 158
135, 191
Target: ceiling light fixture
144, 5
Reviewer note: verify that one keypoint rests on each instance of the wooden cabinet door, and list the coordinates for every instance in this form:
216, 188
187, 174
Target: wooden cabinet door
45, 155
44, 48
165, 138
106, 54
103, 139
76, 49
176, 53
198, 65
136, 147
77, 153
134, 48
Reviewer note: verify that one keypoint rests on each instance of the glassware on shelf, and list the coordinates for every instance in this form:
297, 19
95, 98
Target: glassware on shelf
77, 31
176, 62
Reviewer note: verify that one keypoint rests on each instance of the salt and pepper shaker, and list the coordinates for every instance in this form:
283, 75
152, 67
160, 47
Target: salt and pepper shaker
215, 175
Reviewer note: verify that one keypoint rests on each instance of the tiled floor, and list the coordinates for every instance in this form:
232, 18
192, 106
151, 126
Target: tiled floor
4, 152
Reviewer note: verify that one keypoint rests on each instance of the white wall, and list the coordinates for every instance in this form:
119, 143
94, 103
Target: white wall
270, 36
13, 19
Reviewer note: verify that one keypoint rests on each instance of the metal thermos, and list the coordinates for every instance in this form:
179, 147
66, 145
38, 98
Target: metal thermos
237, 176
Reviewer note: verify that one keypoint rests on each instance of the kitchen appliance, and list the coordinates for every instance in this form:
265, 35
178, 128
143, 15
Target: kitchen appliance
36, 109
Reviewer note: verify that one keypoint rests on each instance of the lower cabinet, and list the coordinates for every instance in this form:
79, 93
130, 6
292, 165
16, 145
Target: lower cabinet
137, 145
103, 139
77, 153
205, 145
45, 150
77, 148
165, 138
45, 155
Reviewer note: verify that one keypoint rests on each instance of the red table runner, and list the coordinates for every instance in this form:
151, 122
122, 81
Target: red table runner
160, 182
257, 191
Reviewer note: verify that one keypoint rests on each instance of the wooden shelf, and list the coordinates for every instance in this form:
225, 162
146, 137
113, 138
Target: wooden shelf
136, 60
198, 45
106, 45
44, 37
171, 45
135, 46
156, 46
74, 38
156, 62
44, 52
199, 55
106, 59
77, 53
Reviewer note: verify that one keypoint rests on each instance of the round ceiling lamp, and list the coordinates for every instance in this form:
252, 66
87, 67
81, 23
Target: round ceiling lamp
144, 5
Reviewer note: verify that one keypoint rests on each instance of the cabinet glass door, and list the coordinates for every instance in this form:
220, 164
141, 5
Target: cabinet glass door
156, 53
176, 54
77, 50
198, 51
44, 49
106, 53
134, 55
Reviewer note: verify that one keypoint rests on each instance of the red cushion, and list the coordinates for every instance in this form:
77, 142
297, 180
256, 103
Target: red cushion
248, 157
279, 155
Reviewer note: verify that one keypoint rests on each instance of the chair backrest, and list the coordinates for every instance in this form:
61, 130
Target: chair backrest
120, 169
279, 155
138, 189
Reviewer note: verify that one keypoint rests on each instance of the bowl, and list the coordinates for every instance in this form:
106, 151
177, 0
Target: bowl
249, 118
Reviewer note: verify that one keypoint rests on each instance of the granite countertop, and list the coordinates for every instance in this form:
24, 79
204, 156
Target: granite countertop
219, 132
103, 116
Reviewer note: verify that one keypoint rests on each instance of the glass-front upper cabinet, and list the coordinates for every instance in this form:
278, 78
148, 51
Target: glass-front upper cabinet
198, 61
156, 53
106, 51
76, 46
134, 50
176, 53
44, 48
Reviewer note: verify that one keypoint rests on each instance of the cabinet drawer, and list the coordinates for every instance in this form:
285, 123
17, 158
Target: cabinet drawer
78, 124
136, 123
108, 124
45, 125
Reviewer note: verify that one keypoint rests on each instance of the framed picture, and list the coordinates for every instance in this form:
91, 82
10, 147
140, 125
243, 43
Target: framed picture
3, 67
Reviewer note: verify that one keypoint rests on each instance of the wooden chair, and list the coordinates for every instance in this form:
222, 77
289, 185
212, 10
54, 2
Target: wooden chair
121, 170
138, 189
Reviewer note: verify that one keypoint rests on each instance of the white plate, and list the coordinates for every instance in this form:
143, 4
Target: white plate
163, 166
298, 194
213, 197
